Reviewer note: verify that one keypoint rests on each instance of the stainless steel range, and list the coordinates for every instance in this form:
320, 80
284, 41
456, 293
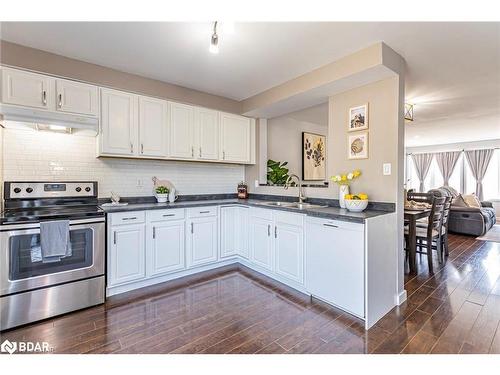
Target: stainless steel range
34, 287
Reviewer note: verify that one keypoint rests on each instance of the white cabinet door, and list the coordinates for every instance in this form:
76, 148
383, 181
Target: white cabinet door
27, 89
166, 247
181, 131
126, 259
152, 127
207, 134
76, 97
335, 263
235, 138
118, 123
202, 240
289, 248
261, 242
243, 243
229, 228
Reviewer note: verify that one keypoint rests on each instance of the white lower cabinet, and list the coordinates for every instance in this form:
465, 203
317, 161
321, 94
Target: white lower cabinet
126, 254
335, 263
261, 242
289, 246
165, 244
234, 231
202, 240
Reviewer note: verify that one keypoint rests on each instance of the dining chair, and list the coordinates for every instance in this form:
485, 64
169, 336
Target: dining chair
419, 197
443, 233
431, 232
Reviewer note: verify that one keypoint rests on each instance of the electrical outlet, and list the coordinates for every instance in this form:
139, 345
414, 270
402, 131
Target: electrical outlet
387, 169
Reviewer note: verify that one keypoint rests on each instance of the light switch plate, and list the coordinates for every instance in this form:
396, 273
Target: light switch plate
387, 169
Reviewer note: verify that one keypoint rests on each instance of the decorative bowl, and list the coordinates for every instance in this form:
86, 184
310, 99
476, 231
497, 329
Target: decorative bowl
356, 205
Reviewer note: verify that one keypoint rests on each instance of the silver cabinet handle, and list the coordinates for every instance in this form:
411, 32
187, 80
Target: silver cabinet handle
114, 237
275, 231
331, 225
130, 218
192, 228
60, 101
167, 215
204, 212
223, 155
154, 232
142, 148
131, 148
200, 152
44, 97
192, 152
268, 230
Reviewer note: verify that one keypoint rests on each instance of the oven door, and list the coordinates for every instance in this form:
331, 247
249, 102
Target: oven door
21, 266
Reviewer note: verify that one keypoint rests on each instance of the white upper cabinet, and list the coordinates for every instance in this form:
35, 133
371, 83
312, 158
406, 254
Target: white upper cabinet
152, 127
207, 134
235, 138
76, 97
27, 89
118, 123
182, 131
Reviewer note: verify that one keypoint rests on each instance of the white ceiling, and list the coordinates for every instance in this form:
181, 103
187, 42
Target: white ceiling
453, 72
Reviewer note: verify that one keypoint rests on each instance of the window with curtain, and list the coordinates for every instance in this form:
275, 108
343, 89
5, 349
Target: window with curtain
456, 176
434, 178
491, 183
411, 175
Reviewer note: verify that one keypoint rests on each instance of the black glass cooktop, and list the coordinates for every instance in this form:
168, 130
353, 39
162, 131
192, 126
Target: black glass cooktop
37, 214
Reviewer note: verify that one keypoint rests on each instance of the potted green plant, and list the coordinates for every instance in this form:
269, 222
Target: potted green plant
161, 194
277, 172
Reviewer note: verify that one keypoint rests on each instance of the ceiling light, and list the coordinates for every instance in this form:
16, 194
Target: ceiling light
408, 112
214, 42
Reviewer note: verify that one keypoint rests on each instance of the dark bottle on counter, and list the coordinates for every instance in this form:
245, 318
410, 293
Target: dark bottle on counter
242, 190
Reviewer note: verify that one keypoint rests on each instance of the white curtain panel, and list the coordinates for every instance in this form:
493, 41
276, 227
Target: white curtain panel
422, 164
446, 162
478, 162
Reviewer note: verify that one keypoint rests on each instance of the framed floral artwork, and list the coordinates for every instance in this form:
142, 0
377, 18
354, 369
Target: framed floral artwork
358, 118
313, 157
357, 147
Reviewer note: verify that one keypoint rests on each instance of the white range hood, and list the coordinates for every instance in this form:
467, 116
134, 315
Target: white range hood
16, 117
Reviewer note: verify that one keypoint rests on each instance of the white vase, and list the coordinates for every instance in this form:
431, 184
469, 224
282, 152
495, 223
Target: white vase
343, 190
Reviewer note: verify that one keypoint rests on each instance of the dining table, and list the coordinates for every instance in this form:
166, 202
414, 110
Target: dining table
411, 215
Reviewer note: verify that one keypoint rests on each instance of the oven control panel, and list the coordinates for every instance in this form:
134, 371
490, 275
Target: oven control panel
34, 190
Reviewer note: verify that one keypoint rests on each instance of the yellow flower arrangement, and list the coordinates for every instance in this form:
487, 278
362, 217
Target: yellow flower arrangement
346, 178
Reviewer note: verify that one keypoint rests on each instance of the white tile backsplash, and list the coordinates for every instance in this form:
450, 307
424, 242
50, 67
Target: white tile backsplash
32, 155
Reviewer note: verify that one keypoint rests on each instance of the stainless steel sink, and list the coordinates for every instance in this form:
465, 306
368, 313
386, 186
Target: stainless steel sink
303, 206
297, 205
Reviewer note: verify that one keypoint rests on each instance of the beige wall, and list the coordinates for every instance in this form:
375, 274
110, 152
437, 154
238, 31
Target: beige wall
284, 134
382, 98
45, 62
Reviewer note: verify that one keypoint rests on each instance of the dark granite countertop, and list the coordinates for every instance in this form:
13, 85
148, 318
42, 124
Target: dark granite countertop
330, 212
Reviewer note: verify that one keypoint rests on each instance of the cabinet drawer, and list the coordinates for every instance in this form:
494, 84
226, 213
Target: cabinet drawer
163, 215
261, 213
289, 218
133, 217
202, 211
356, 227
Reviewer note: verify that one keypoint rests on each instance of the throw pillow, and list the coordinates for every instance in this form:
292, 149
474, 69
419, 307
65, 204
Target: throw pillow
472, 201
459, 201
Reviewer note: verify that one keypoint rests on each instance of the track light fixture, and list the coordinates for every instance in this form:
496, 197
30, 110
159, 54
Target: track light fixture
214, 42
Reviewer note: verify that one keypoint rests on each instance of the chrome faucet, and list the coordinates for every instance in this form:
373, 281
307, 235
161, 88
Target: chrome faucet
302, 197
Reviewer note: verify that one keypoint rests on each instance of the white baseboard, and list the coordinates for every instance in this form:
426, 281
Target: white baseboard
401, 297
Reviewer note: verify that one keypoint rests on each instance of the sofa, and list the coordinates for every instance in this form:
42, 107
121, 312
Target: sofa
467, 220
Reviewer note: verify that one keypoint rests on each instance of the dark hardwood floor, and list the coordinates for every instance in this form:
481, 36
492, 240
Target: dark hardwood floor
454, 310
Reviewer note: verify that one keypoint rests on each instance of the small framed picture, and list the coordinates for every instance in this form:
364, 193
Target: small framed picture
357, 147
358, 118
